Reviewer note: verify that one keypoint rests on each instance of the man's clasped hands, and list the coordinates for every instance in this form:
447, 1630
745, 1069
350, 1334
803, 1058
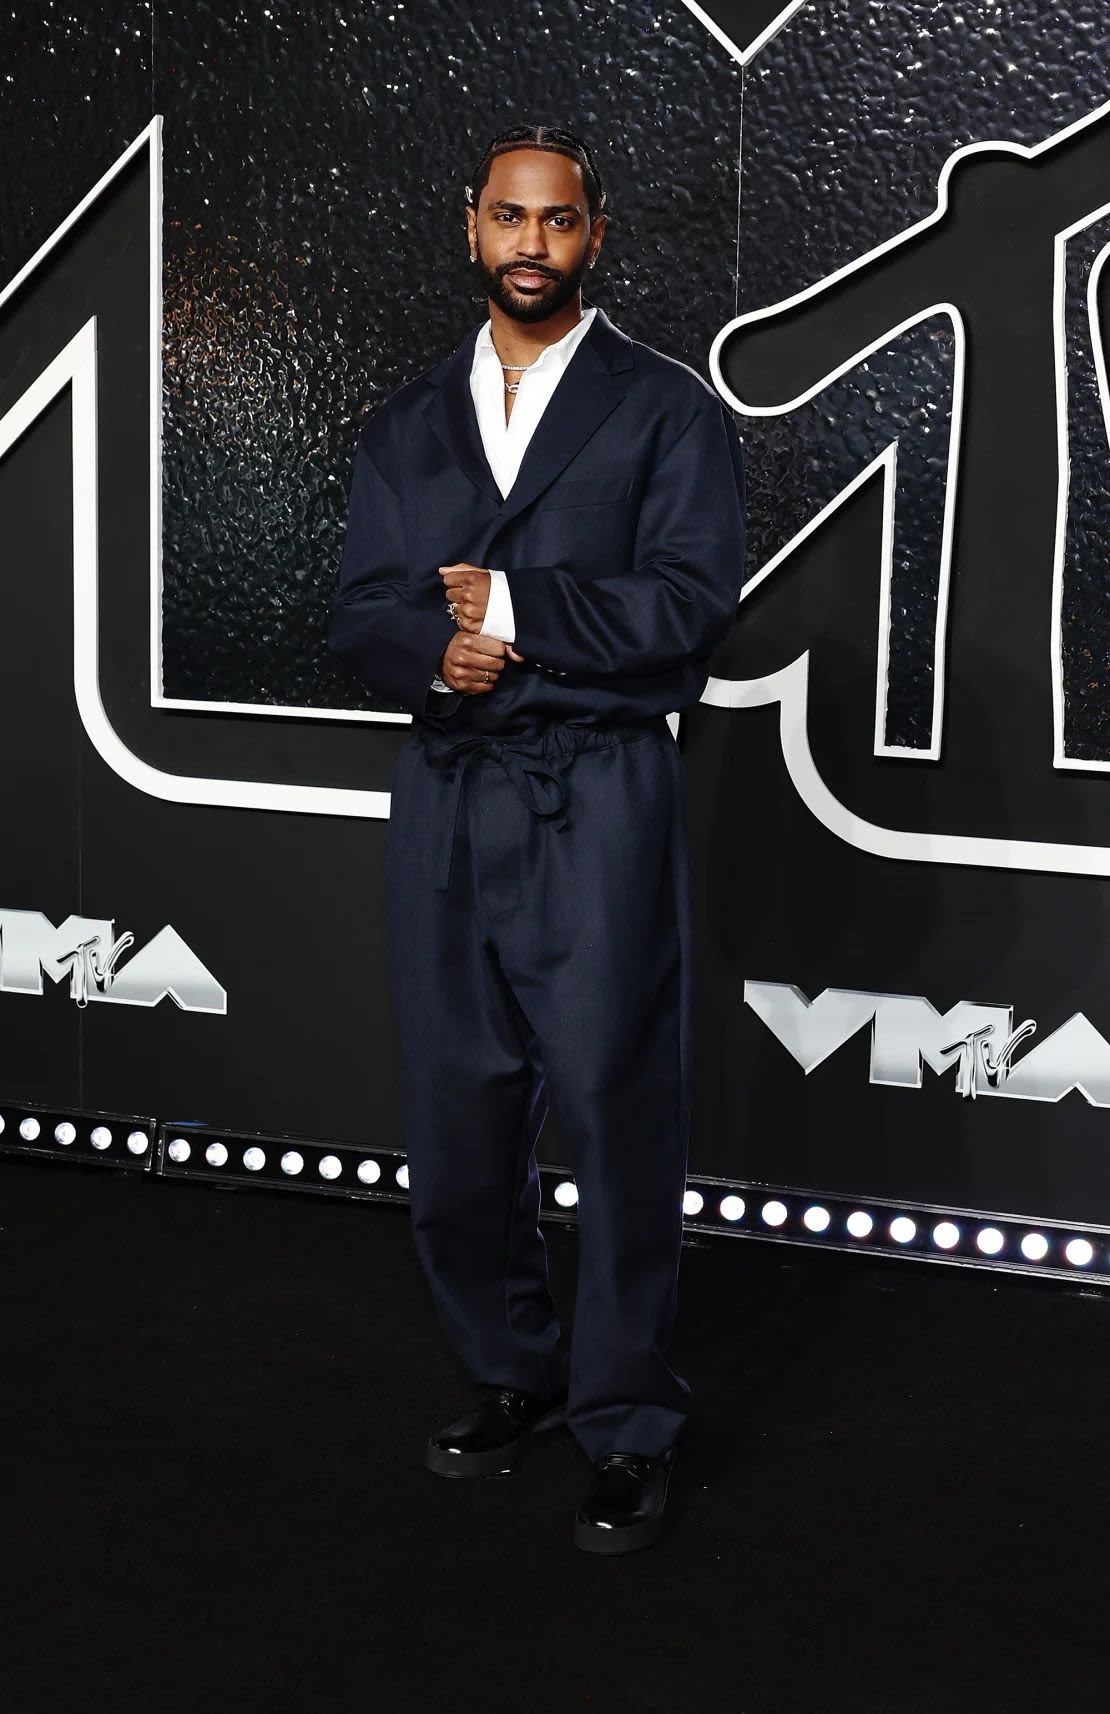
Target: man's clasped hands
471, 662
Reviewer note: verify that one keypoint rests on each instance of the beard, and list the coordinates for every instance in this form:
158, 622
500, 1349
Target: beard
528, 306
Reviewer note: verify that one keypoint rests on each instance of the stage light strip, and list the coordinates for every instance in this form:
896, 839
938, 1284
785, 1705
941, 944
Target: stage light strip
720, 1207
208, 1154
710, 1206
71, 1133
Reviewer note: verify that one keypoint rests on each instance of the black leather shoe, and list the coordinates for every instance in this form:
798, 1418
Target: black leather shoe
623, 1508
487, 1441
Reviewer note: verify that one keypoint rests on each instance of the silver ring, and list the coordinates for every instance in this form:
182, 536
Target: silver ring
485, 675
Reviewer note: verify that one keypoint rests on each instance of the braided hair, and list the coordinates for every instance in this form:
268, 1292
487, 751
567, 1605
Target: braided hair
551, 137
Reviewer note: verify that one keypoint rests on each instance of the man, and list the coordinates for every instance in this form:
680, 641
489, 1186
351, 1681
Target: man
545, 544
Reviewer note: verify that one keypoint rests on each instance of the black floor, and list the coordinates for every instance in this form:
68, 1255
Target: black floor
892, 1497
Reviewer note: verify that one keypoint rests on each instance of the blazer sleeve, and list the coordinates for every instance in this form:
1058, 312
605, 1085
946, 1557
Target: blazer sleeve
393, 642
680, 596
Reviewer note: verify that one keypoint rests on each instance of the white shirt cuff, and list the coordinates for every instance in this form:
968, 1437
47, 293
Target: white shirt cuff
499, 620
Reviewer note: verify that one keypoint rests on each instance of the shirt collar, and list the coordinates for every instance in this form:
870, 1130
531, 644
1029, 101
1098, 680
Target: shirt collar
556, 355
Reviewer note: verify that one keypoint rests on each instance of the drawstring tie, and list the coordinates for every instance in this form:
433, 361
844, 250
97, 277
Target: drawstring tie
523, 766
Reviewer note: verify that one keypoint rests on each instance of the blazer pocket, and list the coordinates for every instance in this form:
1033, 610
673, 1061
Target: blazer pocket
588, 491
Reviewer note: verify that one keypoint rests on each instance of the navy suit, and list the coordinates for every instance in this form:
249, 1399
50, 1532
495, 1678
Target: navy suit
538, 899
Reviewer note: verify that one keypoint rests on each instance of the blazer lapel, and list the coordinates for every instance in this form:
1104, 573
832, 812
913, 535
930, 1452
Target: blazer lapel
451, 415
582, 400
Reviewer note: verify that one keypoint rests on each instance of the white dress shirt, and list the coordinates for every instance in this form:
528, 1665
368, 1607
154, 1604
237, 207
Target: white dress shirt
505, 443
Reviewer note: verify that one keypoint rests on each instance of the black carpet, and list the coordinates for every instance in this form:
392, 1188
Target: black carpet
891, 1498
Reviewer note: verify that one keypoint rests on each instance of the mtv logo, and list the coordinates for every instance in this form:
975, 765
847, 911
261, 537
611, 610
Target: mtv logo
86, 950
965, 359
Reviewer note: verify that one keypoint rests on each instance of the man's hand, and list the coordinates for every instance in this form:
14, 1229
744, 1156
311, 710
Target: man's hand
468, 587
468, 659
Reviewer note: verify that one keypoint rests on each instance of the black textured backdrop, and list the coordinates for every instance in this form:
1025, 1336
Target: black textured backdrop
849, 116
75, 89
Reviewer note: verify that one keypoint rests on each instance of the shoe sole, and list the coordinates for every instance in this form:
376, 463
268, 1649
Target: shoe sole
596, 1540
501, 1461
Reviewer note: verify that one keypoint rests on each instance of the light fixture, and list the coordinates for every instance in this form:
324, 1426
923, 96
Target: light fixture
289, 1162
729, 1209
85, 1136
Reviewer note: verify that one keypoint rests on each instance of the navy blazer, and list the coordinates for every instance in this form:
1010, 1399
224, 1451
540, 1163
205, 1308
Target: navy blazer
622, 538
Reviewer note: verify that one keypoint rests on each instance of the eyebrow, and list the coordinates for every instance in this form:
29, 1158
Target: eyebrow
552, 207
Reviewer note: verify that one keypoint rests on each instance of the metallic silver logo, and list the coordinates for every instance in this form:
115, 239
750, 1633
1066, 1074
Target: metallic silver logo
87, 950
907, 1033
980, 1069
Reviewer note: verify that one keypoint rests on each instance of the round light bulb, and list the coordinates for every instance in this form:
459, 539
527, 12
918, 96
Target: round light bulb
330, 1166
179, 1150
902, 1229
1079, 1252
566, 1194
137, 1142
732, 1208
860, 1224
369, 1172
774, 1213
216, 1154
1034, 1246
816, 1219
693, 1202
946, 1235
292, 1162
29, 1129
254, 1159
65, 1133
990, 1241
